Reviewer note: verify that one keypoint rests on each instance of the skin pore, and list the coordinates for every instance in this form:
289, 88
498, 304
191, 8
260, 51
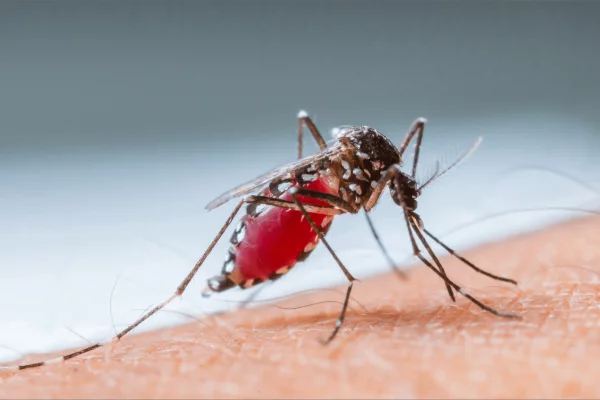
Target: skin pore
408, 341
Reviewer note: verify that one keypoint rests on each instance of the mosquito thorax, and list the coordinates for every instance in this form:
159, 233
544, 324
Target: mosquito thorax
380, 153
372, 145
366, 154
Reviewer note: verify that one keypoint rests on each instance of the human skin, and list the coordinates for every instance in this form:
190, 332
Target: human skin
411, 341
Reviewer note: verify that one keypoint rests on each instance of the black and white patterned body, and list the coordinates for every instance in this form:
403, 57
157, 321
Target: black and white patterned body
269, 241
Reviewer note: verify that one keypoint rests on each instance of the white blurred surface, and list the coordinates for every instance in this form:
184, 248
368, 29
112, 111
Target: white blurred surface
72, 225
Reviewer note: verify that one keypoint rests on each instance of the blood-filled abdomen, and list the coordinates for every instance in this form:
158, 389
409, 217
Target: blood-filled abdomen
277, 238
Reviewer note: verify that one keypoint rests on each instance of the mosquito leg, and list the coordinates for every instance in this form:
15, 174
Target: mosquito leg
330, 199
351, 279
415, 222
223, 282
390, 173
281, 203
444, 277
401, 274
342, 316
416, 128
180, 289
464, 260
304, 119
336, 204
343, 205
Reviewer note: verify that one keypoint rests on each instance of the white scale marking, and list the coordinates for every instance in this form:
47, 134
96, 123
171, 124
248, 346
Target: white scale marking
344, 193
240, 233
229, 267
283, 186
309, 177
359, 174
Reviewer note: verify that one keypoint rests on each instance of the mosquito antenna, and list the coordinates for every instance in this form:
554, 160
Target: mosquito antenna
460, 159
432, 174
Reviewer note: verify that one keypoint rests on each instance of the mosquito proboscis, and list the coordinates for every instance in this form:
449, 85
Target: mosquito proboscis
290, 209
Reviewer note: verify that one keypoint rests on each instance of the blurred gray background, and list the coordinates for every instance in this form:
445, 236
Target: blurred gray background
120, 120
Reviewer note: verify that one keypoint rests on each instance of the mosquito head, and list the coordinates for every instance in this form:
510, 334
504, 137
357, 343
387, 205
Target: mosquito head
403, 190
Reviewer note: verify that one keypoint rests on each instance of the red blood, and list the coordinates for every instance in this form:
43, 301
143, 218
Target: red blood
276, 237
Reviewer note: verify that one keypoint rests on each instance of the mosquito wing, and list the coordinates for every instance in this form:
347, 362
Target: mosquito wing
262, 180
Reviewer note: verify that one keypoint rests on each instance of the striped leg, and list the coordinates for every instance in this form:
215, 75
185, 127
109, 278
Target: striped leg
412, 224
294, 192
180, 290
305, 120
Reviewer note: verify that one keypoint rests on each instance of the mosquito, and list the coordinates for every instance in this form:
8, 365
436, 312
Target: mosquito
290, 209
